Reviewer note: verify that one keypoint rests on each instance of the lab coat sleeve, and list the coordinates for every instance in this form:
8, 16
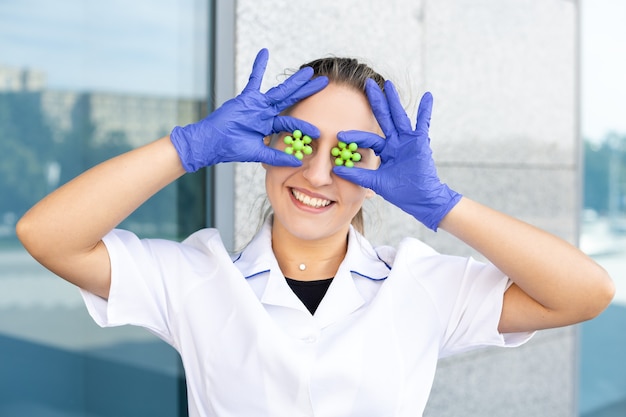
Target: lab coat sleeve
473, 294
468, 297
145, 284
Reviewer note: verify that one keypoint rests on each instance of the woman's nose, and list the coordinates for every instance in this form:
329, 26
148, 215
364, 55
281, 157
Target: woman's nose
317, 168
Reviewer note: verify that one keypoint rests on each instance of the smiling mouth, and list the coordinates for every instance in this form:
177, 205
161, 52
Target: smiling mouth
310, 201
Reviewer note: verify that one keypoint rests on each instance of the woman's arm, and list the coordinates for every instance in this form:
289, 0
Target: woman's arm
555, 284
64, 230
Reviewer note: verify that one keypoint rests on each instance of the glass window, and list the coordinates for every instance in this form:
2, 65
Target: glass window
603, 230
80, 82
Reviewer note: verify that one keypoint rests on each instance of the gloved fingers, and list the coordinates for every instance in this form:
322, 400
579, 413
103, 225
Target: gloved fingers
363, 139
308, 89
424, 112
380, 107
258, 70
292, 84
289, 124
364, 177
398, 114
275, 157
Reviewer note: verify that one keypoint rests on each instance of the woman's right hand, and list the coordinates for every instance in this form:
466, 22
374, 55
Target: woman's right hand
407, 176
235, 131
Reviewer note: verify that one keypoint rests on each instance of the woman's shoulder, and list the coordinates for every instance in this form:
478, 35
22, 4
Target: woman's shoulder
206, 241
203, 237
200, 244
408, 247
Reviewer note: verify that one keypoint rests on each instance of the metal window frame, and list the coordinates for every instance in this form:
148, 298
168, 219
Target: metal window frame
220, 182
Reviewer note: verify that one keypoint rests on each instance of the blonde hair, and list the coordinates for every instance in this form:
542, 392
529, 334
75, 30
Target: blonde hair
346, 71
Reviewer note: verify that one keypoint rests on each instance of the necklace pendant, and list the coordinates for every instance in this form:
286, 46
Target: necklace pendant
302, 267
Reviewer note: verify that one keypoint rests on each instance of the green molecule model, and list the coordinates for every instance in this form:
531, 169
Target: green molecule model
298, 144
346, 154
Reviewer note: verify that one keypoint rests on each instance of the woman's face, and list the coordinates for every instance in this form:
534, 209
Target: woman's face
311, 202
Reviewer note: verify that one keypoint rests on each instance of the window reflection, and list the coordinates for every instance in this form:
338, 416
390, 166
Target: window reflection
603, 236
602, 376
81, 82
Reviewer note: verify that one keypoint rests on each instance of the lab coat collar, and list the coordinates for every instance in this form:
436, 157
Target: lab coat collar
343, 296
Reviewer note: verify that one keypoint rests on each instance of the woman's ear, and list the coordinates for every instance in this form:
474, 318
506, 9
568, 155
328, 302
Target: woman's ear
369, 193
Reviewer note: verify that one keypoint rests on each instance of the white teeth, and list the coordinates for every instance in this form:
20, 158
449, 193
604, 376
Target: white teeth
310, 201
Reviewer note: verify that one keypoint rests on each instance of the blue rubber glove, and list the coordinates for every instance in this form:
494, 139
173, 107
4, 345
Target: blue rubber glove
234, 132
407, 176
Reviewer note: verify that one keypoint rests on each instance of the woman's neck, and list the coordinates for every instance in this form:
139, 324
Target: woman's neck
308, 260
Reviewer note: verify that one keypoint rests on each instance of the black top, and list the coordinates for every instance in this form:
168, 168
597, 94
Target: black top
310, 292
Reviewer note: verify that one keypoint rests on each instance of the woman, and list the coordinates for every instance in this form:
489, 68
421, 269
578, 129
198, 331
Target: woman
310, 319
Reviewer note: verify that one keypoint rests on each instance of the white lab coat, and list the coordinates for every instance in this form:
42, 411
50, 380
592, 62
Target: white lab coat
251, 348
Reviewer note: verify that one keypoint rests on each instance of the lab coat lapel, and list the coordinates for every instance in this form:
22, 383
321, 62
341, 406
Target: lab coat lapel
343, 296
342, 299
258, 258
278, 293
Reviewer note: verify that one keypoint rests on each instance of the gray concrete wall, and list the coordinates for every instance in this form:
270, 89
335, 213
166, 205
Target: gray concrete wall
504, 132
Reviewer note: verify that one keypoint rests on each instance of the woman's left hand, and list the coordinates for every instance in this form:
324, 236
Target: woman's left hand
407, 176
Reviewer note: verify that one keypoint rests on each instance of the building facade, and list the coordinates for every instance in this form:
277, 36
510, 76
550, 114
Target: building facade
504, 131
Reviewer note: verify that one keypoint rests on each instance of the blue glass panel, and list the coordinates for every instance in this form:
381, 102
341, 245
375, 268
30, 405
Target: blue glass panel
80, 82
603, 233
